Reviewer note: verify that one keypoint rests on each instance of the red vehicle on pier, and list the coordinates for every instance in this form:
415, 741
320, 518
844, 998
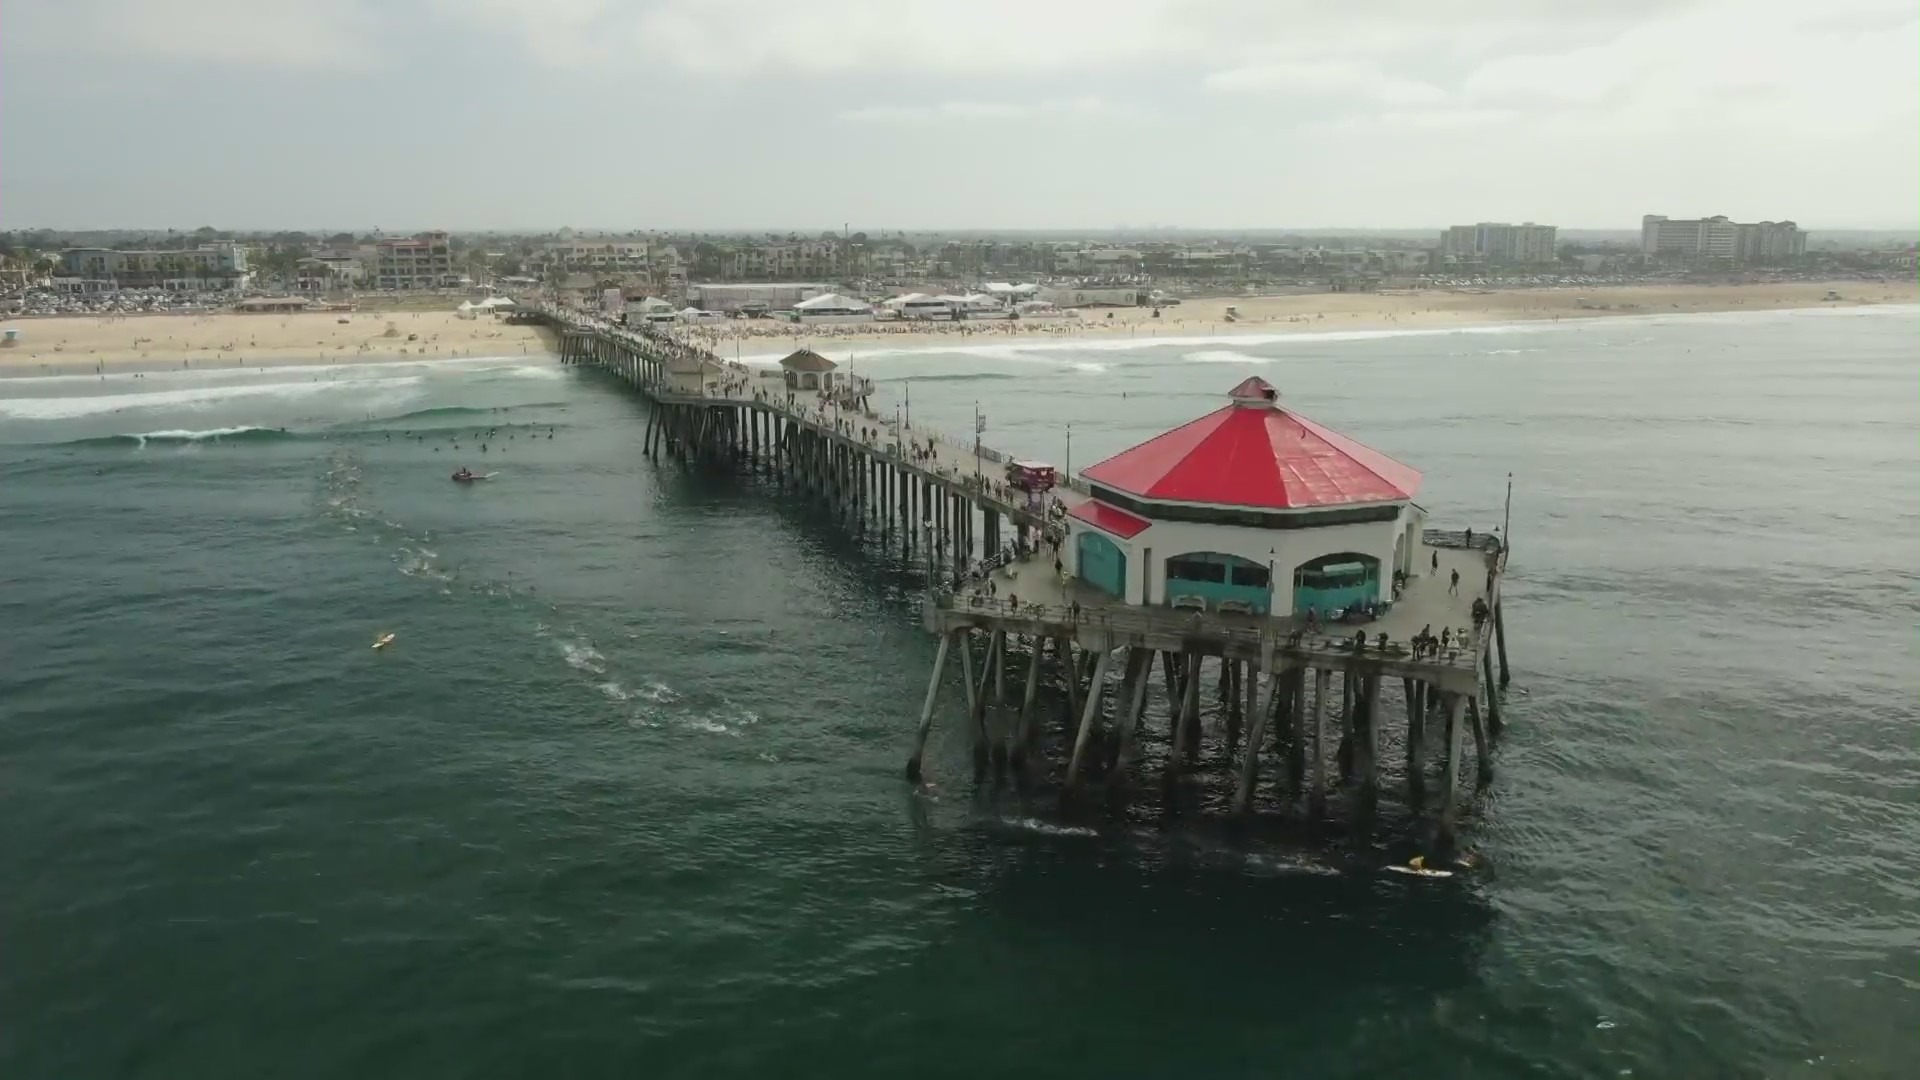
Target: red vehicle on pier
1032, 477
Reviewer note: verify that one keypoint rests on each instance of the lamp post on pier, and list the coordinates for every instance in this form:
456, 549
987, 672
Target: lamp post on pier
1271, 553
979, 425
1506, 525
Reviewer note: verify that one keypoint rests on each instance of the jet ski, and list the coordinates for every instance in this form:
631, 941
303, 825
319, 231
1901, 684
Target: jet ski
464, 477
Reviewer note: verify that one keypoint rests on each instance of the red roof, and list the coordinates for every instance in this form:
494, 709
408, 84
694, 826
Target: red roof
1109, 519
1255, 454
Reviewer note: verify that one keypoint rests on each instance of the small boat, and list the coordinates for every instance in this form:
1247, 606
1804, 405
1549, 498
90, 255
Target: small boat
383, 641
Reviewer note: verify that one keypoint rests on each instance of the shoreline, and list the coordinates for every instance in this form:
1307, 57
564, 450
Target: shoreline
129, 344
1197, 321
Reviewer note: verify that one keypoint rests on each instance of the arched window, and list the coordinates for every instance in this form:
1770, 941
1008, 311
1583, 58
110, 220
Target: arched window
1335, 582
1211, 579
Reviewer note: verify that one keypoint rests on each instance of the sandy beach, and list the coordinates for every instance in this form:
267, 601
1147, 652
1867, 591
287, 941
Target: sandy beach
154, 342
228, 340
1322, 312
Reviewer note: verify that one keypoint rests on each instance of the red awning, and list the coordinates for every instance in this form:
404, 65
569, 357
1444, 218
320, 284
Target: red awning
1109, 519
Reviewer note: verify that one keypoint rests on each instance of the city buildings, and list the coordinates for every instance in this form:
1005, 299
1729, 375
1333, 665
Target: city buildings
1718, 238
209, 267
422, 261
783, 261
327, 270
1525, 244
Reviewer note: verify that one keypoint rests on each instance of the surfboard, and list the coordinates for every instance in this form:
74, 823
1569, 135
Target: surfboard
1419, 871
383, 641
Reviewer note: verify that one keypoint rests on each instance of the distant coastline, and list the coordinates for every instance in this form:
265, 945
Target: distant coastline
70, 345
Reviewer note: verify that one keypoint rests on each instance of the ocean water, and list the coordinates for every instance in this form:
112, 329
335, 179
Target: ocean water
624, 796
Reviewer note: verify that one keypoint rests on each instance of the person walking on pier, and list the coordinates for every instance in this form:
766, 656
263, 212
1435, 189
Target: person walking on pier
1453, 589
1436, 562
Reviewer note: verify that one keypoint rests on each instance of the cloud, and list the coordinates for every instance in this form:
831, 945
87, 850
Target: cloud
336, 35
744, 38
739, 38
1332, 78
976, 110
1708, 66
1808, 69
1445, 118
556, 33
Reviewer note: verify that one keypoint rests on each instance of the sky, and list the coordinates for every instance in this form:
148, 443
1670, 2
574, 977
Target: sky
932, 114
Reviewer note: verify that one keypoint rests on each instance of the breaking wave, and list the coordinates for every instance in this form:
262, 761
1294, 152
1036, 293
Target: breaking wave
64, 408
177, 436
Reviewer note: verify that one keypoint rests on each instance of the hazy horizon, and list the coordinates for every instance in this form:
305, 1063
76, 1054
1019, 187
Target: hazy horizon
1126, 115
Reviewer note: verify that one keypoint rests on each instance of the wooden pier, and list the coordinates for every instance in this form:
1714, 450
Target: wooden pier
1325, 699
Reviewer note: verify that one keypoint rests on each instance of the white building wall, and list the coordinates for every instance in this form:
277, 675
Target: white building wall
1395, 543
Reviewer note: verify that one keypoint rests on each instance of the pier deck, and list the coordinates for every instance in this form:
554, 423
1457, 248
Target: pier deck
1029, 597
950, 464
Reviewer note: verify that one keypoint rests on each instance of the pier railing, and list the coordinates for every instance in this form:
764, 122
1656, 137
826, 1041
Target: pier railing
1247, 630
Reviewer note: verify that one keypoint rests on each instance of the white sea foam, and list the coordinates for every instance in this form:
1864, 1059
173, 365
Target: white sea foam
178, 435
1224, 356
1035, 349
658, 692
530, 372
1106, 342
365, 370
63, 408
583, 657
1047, 828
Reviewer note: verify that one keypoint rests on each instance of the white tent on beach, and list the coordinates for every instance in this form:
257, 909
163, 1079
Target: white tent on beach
921, 306
832, 307
832, 304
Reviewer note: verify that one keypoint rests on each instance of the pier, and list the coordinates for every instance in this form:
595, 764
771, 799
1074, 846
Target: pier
1025, 587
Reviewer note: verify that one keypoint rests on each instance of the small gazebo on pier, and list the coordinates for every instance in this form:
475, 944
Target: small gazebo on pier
808, 370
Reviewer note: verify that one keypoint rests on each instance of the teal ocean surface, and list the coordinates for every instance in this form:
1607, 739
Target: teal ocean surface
624, 796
